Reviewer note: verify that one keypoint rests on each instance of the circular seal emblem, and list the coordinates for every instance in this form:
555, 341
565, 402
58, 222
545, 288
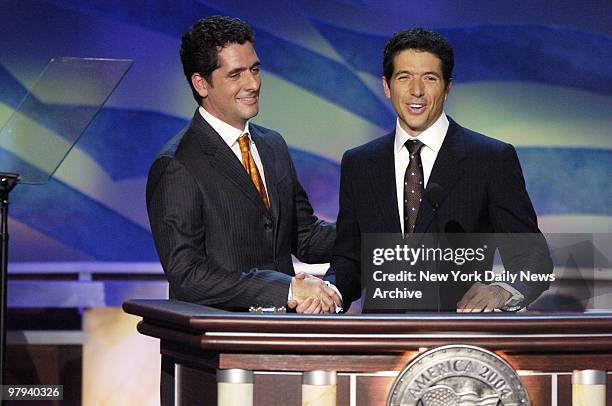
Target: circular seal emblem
458, 375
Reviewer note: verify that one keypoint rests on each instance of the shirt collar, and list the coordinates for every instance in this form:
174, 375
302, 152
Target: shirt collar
432, 138
229, 133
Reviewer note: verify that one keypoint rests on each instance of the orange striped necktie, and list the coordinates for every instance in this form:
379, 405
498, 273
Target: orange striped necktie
249, 165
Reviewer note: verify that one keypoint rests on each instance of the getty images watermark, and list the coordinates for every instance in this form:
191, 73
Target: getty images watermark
431, 272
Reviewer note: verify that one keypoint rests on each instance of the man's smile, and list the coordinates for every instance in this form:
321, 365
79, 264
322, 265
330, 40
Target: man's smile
417, 108
248, 99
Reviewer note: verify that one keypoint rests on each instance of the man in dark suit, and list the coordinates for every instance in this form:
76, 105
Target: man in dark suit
480, 186
225, 205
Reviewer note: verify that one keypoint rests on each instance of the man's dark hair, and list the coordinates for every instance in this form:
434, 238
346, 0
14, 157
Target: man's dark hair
419, 39
200, 45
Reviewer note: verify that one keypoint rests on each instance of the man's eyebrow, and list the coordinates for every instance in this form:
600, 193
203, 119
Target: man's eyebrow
401, 72
412, 73
242, 69
236, 70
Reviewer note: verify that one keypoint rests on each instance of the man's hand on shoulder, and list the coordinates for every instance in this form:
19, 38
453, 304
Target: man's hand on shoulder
483, 298
312, 296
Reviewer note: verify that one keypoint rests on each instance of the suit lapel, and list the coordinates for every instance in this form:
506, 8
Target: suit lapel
445, 172
382, 179
223, 159
268, 160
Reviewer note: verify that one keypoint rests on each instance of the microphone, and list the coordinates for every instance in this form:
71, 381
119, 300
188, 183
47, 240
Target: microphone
435, 195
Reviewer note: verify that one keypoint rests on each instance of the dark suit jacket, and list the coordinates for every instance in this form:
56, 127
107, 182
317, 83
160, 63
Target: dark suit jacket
217, 243
483, 192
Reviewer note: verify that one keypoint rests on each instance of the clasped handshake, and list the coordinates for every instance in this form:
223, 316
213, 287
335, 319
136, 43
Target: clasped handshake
310, 295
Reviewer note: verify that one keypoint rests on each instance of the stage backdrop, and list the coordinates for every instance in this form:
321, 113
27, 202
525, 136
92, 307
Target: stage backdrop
528, 73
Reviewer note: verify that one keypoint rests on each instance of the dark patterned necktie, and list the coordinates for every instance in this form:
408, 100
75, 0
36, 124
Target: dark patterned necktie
413, 185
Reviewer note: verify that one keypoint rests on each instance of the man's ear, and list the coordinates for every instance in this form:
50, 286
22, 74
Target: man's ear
200, 84
386, 87
448, 88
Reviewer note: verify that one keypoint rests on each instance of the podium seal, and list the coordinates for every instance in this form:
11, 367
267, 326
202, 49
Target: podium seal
458, 375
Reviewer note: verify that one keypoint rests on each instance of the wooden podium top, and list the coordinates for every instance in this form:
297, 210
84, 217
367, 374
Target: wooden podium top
207, 328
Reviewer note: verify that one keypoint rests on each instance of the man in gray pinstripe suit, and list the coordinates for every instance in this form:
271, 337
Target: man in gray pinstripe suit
224, 238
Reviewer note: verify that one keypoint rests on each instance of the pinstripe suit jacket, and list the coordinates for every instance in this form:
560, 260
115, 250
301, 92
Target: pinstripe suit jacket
484, 192
217, 243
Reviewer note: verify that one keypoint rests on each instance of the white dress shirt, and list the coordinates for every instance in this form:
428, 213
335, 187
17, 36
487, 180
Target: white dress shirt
230, 135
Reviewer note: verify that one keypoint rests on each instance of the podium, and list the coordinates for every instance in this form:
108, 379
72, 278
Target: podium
367, 351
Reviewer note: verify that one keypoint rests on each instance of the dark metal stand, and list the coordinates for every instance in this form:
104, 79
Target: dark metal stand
7, 183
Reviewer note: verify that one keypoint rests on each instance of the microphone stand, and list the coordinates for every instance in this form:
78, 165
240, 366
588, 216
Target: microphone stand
436, 206
434, 195
7, 183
